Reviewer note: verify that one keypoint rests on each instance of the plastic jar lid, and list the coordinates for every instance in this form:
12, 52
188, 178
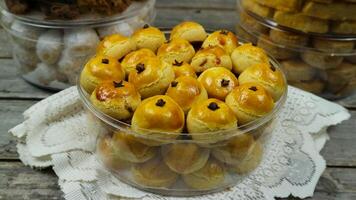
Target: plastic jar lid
36, 18
326, 28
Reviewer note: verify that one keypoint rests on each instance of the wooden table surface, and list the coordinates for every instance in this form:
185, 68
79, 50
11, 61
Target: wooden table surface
20, 182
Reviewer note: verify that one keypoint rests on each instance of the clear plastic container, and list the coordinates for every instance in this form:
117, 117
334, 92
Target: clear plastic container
50, 54
319, 18
181, 165
322, 65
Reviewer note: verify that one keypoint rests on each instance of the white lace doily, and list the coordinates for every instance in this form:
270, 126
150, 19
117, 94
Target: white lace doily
58, 132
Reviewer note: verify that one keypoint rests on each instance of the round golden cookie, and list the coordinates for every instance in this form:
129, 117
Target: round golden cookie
288, 38
321, 60
297, 70
158, 116
187, 91
183, 69
314, 86
131, 60
236, 150
211, 57
154, 173
190, 31
222, 38
116, 46
184, 158
269, 77
116, 99
210, 116
249, 101
247, 55
151, 77
275, 50
128, 148
218, 82
149, 37
108, 155
178, 49
251, 161
211, 176
100, 68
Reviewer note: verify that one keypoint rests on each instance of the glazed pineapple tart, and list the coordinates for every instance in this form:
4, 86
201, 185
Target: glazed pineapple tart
182, 105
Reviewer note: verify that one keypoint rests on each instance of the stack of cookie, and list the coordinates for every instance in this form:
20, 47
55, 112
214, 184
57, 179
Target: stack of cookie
314, 41
50, 52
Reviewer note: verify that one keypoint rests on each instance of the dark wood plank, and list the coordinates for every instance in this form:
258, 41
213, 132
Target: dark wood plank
13, 86
10, 115
21, 182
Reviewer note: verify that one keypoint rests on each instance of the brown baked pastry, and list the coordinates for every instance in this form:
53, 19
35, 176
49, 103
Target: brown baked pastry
218, 82
267, 76
149, 37
128, 148
100, 68
247, 55
297, 70
108, 155
284, 5
187, 91
235, 150
116, 99
209, 177
132, 59
17, 6
301, 22
288, 38
151, 77
178, 49
337, 11
275, 50
190, 31
209, 116
154, 173
116, 46
183, 69
249, 101
321, 60
314, 86
333, 45
343, 27
156, 116
185, 158
222, 38
339, 78
211, 57
257, 8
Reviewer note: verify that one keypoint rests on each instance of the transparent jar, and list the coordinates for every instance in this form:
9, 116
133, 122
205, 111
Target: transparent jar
186, 164
325, 66
50, 53
333, 19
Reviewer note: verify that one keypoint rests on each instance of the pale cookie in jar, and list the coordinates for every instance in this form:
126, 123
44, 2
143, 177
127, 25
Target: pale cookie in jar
333, 45
116, 99
340, 77
314, 86
80, 41
151, 77
187, 91
218, 82
49, 46
275, 50
297, 70
211, 57
249, 101
247, 55
288, 38
149, 37
321, 60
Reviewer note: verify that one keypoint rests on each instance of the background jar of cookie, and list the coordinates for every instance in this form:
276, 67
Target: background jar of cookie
321, 64
50, 52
